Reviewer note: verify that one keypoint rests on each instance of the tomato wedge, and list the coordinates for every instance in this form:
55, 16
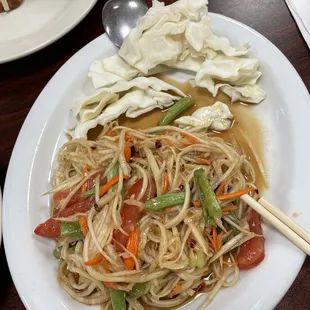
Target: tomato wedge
58, 197
134, 191
90, 183
252, 252
131, 214
51, 228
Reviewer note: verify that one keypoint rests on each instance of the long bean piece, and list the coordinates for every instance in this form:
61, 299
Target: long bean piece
178, 108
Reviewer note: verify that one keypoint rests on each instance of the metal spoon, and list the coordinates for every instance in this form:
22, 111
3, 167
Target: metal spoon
120, 16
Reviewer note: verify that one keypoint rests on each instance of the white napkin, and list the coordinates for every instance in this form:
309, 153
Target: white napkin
301, 11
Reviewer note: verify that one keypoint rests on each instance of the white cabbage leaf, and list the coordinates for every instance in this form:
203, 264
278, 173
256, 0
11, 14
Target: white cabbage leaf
243, 93
165, 33
134, 98
110, 70
239, 74
217, 117
180, 36
92, 107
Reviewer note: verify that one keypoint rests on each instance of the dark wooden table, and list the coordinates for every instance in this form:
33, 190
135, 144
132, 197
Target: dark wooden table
22, 81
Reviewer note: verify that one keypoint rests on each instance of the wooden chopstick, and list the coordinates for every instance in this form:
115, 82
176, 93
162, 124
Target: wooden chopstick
284, 228
285, 219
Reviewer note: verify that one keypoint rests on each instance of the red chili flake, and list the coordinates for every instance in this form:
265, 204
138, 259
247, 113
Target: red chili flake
201, 287
158, 144
181, 187
191, 242
94, 148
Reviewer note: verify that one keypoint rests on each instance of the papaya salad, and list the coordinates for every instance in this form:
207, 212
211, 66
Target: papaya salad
151, 217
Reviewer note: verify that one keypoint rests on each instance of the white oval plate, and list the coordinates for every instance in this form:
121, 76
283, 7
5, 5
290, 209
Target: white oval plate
36, 24
285, 114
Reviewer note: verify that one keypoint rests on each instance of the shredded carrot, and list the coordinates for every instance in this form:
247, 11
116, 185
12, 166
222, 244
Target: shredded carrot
94, 261
83, 224
176, 290
219, 241
166, 183
220, 189
127, 152
186, 143
230, 208
108, 185
235, 194
110, 285
211, 240
211, 245
203, 161
230, 264
214, 234
132, 246
190, 137
133, 241
196, 203
127, 138
107, 270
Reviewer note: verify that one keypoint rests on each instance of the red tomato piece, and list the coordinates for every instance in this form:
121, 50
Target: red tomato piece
131, 214
51, 228
134, 191
252, 252
58, 197
48, 229
90, 183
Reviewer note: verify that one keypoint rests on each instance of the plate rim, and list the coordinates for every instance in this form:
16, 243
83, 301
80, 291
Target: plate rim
42, 43
299, 260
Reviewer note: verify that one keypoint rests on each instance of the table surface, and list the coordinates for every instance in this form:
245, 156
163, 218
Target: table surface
22, 81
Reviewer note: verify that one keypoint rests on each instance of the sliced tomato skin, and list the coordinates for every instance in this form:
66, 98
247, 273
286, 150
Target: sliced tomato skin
51, 227
252, 252
90, 183
134, 191
58, 197
131, 214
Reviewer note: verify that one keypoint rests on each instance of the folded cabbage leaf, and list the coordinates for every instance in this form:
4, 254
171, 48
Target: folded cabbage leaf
217, 117
110, 70
133, 98
180, 36
165, 33
234, 71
